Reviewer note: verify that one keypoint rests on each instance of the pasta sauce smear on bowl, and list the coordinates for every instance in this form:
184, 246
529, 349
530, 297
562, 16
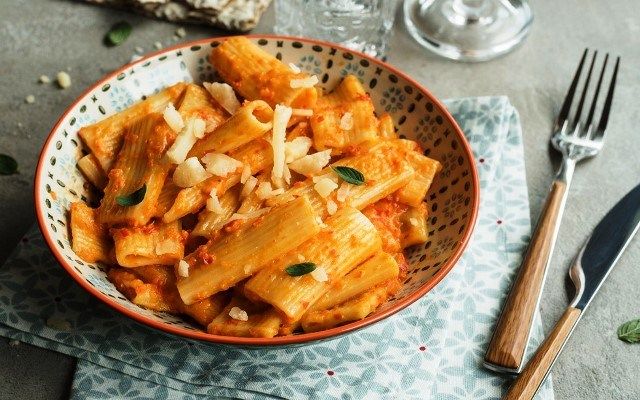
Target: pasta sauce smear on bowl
256, 203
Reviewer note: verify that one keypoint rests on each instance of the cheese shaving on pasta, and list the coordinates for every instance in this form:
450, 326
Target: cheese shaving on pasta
220, 164
224, 95
183, 268
281, 116
332, 207
297, 148
250, 215
238, 314
173, 118
287, 175
265, 191
343, 192
346, 122
325, 186
248, 187
165, 246
246, 173
294, 68
189, 173
413, 221
302, 112
193, 129
311, 164
304, 82
320, 274
213, 203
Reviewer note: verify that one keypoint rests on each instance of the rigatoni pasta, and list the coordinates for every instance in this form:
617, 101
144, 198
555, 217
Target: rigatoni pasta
261, 212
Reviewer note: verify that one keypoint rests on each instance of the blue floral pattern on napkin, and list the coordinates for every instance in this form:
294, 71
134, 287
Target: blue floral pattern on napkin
433, 349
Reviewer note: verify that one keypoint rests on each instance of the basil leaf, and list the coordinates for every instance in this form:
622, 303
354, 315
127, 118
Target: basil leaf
300, 269
630, 331
350, 175
8, 166
133, 198
118, 33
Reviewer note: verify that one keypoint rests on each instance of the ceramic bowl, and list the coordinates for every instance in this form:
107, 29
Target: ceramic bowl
452, 200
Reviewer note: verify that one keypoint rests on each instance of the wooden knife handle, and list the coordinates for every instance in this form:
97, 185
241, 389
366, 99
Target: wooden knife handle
532, 377
509, 341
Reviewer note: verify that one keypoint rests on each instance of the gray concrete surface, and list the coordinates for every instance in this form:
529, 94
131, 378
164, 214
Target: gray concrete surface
42, 37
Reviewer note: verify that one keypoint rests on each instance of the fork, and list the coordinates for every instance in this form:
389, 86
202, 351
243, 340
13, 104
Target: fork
576, 139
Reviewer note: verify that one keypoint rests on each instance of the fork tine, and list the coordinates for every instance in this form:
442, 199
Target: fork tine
566, 105
595, 94
607, 103
576, 119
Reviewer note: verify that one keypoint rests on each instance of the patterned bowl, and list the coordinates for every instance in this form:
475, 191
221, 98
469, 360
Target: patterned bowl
452, 200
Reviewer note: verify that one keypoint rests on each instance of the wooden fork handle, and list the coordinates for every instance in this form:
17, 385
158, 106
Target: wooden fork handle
509, 341
532, 377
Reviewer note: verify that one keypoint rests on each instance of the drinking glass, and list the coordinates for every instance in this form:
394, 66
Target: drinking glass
468, 30
362, 25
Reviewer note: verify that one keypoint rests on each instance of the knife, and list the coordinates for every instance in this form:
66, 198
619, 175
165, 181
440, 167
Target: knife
590, 268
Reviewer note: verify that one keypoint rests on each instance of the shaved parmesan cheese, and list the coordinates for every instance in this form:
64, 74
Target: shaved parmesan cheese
325, 186
281, 116
318, 178
248, 187
183, 269
294, 68
166, 246
297, 148
332, 207
213, 203
247, 269
64, 80
312, 163
238, 314
246, 173
224, 95
220, 164
173, 118
189, 173
346, 122
320, 274
343, 192
250, 215
413, 221
193, 129
302, 112
304, 82
265, 191
287, 175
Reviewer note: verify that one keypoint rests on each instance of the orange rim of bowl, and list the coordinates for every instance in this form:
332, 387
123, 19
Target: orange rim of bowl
279, 340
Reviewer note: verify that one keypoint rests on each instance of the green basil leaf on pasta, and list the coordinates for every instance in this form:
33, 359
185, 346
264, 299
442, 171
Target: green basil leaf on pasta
133, 198
300, 269
350, 175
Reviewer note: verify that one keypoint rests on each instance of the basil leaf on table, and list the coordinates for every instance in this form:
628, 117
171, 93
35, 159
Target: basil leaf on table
133, 198
300, 269
8, 165
630, 331
118, 33
350, 175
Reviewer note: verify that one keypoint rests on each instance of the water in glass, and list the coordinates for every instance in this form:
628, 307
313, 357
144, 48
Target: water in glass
363, 25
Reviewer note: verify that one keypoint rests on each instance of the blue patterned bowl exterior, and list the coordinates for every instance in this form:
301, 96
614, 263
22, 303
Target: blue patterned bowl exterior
453, 198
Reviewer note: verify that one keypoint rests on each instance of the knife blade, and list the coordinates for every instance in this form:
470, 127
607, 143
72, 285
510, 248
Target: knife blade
590, 268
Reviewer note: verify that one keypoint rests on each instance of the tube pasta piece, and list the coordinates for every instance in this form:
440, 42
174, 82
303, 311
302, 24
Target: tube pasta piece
348, 101
256, 74
91, 169
147, 295
89, 239
104, 138
206, 310
139, 162
238, 256
426, 169
166, 199
198, 103
386, 128
262, 321
250, 122
349, 240
153, 244
384, 169
386, 215
380, 268
414, 226
209, 223
352, 310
